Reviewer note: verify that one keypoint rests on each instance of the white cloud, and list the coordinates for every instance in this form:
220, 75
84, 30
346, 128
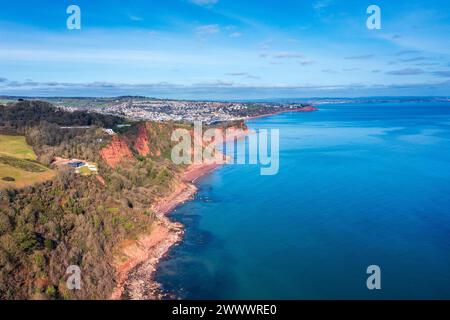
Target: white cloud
307, 62
442, 73
407, 52
235, 35
265, 44
135, 18
360, 57
243, 74
204, 2
288, 55
406, 72
320, 5
208, 29
330, 71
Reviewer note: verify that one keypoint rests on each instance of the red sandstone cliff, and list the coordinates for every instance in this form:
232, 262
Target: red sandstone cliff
116, 152
142, 143
151, 140
308, 109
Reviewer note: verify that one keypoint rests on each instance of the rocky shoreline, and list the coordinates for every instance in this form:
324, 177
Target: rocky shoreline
136, 269
136, 272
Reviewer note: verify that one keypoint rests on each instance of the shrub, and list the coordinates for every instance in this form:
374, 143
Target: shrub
50, 291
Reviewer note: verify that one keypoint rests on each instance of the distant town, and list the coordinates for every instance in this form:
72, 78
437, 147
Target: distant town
145, 109
150, 109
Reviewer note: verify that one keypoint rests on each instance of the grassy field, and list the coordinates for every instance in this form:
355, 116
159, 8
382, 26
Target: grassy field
84, 171
18, 166
17, 147
5, 101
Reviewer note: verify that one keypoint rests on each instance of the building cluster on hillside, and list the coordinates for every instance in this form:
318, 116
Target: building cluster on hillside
163, 110
177, 110
81, 167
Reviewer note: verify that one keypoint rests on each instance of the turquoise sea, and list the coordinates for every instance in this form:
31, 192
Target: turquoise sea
359, 184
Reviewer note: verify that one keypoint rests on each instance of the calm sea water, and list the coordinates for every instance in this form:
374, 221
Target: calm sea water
358, 185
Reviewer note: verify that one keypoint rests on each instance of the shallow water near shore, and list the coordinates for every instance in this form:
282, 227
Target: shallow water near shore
358, 185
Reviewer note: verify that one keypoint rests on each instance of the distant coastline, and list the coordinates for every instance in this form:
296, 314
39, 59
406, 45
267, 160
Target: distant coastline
308, 108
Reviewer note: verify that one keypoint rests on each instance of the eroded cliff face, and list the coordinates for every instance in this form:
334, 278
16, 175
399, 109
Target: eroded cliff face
141, 144
116, 152
153, 139
145, 139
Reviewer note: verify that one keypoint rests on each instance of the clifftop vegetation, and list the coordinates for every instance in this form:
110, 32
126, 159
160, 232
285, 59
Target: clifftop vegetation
73, 220
32, 113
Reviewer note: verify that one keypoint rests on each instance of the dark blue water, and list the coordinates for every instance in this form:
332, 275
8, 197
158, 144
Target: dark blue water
358, 185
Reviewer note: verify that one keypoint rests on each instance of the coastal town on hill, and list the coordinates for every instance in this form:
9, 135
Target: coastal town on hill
149, 109
142, 109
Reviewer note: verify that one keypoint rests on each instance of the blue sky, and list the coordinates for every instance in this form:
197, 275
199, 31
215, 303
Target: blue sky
225, 49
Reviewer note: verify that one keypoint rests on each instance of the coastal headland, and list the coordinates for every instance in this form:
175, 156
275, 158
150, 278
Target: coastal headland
106, 187
138, 260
